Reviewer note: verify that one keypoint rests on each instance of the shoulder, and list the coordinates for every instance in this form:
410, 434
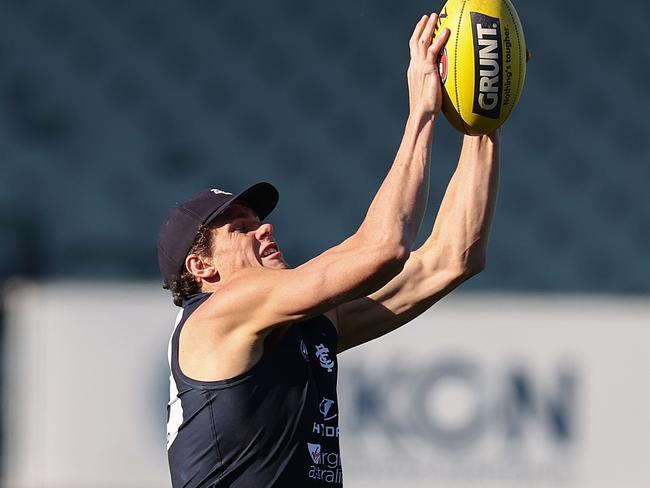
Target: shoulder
333, 316
239, 301
321, 329
236, 292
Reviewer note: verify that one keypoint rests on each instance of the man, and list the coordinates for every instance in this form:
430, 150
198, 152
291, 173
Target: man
253, 355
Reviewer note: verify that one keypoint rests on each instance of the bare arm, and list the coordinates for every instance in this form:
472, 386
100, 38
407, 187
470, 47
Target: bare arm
262, 298
454, 251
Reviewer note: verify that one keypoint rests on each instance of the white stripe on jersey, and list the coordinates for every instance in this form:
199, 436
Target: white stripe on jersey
175, 407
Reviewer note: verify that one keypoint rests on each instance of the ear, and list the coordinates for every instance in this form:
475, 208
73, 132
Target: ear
201, 267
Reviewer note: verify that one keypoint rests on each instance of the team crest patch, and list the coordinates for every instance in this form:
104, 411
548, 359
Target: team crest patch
322, 353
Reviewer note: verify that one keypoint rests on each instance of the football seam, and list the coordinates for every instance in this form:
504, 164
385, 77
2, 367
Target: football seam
514, 24
460, 114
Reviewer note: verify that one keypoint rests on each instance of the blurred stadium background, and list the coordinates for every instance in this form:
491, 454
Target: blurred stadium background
110, 111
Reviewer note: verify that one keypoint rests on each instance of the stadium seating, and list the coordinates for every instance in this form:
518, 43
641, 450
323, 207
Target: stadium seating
113, 110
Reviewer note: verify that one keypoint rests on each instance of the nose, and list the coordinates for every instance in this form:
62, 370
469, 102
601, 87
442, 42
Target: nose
264, 231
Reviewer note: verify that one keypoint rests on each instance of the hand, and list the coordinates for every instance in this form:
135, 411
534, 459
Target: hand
495, 136
425, 92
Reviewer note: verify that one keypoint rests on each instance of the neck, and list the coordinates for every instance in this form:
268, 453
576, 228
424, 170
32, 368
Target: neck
209, 287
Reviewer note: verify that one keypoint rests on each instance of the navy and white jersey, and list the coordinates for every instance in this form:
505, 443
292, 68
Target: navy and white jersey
275, 425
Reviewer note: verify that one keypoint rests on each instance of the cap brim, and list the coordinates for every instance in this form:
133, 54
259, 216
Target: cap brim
261, 198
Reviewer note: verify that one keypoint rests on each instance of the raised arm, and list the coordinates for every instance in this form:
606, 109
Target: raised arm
454, 251
376, 252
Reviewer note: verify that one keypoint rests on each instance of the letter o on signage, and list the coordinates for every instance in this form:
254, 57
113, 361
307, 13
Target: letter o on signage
426, 420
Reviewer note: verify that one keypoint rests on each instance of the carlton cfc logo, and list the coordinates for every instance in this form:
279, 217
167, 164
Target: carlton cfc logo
443, 64
322, 353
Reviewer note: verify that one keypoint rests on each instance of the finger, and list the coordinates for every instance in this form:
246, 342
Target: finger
528, 55
427, 32
495, 135
436, 46
417, 31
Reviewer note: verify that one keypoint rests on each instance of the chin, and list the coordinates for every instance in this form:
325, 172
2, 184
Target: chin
275, 264
278, 265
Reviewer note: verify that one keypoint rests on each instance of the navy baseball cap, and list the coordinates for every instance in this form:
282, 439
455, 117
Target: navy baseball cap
178, 232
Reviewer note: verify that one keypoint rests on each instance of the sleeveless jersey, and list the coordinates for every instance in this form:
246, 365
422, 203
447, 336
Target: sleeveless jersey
275, 425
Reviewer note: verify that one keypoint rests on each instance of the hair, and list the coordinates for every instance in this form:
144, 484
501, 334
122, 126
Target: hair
187, 284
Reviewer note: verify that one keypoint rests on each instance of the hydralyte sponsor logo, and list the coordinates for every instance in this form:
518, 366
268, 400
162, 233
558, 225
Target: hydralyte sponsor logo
488, 65
322, 353
327, 409
325, 430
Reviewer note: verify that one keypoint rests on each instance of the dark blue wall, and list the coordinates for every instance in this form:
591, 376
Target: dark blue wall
110, 111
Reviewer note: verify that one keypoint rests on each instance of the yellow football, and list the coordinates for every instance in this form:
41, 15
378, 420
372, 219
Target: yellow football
483, 64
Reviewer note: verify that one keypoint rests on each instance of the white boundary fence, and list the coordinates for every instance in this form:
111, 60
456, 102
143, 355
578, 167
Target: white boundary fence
483, 390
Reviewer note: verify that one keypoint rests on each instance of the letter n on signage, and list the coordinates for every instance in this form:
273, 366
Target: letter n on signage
553, 406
